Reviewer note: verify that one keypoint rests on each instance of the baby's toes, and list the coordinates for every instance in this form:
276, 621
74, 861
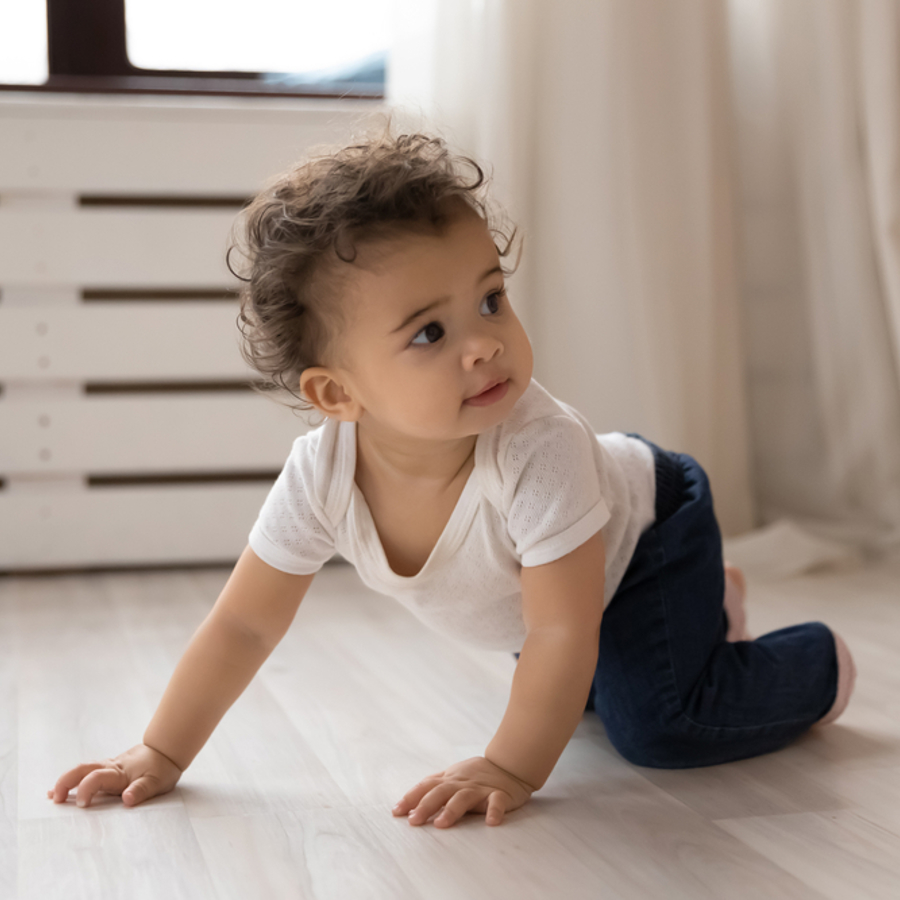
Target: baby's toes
735, 610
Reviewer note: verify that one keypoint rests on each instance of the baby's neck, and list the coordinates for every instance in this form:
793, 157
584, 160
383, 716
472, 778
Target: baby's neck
391, 458
411, 491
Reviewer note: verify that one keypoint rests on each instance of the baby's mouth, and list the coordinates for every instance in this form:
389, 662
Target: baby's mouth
491, 394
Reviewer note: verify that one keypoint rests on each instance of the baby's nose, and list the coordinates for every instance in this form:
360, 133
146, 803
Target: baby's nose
482, 348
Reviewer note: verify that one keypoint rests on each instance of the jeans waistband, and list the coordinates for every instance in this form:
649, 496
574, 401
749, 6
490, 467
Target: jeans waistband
669, 480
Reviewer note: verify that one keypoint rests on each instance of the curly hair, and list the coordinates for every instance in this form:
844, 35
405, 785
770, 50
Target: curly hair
302, 231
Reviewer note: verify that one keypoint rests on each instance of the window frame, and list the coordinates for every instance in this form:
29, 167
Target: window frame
87, 53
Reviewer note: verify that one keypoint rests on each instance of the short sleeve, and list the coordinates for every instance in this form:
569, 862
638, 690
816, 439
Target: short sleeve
291, 532
552, 489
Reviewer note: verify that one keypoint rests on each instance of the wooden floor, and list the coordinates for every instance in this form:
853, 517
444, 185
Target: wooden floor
292, 796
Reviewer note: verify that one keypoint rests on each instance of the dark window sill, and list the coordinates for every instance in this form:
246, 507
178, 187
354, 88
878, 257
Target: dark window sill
216, 87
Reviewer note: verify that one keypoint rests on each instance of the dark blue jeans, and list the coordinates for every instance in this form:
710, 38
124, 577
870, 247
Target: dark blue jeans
671, 692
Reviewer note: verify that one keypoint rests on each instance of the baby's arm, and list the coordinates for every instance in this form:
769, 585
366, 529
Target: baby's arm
562, 604
251, 615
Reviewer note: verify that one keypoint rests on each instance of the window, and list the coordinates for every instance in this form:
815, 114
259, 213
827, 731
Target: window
294, 47
23, 42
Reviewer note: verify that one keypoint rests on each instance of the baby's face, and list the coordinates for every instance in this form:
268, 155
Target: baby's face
432, 349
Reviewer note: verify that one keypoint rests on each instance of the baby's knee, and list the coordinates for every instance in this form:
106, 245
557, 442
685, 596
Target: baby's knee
644, 740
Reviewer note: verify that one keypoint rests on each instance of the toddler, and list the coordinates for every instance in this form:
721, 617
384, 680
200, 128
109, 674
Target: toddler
454, 482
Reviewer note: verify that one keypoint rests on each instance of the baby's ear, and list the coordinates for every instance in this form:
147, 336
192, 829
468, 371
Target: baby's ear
323, 388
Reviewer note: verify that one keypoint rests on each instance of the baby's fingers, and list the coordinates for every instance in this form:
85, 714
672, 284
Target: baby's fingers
458, 805
71, 779
431, 803
411, 798
496, 808
142, 789
112, 781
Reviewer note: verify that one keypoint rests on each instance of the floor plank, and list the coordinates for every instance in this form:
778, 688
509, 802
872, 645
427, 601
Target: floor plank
111, 853
9, 757
323, 854
839, 854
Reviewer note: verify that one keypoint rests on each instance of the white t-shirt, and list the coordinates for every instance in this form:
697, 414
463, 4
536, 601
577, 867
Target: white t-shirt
542, 484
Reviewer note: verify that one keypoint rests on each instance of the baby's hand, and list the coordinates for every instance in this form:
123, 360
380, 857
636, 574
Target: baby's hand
475, 785
137, 774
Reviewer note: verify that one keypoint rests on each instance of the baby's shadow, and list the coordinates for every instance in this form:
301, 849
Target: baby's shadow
103, 801
99, 801
839, 743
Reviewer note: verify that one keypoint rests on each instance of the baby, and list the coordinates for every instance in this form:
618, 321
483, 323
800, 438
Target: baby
455, 483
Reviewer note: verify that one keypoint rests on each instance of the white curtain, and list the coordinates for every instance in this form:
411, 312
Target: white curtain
608, 126
817, 89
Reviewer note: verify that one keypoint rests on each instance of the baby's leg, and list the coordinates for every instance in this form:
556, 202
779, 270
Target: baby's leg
671, 690
736, 615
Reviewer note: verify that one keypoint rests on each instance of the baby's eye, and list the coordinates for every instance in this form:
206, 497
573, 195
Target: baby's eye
430, 334
491, 304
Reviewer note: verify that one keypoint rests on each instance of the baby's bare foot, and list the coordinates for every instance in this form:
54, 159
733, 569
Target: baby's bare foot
735, 591
846, 680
